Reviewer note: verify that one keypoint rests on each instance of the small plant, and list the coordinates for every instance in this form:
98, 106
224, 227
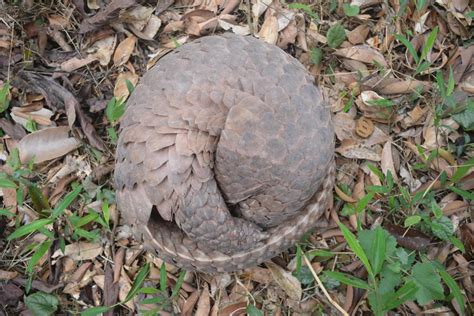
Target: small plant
394, 277
421, 61
306, 9
4, 98
114, 111
350, 10
336, 35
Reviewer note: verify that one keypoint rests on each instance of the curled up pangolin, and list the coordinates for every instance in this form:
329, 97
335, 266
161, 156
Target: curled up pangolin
225, 154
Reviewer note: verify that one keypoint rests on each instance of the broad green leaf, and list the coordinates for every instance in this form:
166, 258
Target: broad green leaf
137, 283
336, 35
5, 212
95, 310
412, 220
68, 199
42, 304
114, 110
29, 228
348, 279
350, 10
355, 246
377, 245
86, 219
466, 117
442, 228
376, 171
409, 46
428, 281
39, 253
389, 280
316, 56
403, 294
253, 311
437, 211
7, 183
462, 170
149, 290
453, 286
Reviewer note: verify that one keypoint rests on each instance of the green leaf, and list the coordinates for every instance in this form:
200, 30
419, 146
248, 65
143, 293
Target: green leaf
306, 8
316, 56
451, 82
412, 220
462, 170
405, 293
68, 199
40, 201
130, 86
437, 211
348, 279
114, 110
163, 277
7, 183
5, 212
457, 243
376, 171
466, 117
137, 283
4, 101
336, 35
441, 84
470, 14
428, 281
253, 311
29, 228
465, 194
442, 228
453, 286
389, 280
355, 246
409, 46
95, 311
39, 253
377, 245
350, 10
42, 304
360, 206
178, 284
429, 44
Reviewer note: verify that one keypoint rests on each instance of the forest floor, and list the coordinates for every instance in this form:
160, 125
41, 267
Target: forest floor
399, 78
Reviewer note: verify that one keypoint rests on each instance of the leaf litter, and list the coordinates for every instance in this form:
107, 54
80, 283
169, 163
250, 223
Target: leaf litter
396, 112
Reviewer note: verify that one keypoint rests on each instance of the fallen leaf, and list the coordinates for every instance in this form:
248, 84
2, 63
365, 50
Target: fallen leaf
152, 27
362, 53
352, 149
121, 89
359, 34
189, 304
46, 144
80, 251
286, 281
409, 238
106, 15
386, 163
404, 86
7, 275
124, 50
269, 30
204, 303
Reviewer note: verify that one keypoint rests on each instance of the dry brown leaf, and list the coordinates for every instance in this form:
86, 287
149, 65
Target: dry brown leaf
387, 160
235, 28
103, 49
344, 196
137, 17
152, 26
288, 35
204, 303
58, 21
269, 30
362, 53
76, 63
7, 275
344, 125
354, 150
359, 34
80, 251
42, 117
47, 144
286, 281
124, 50
259, 8
405, 86
234, 309
121, 89
106, 15
189, 304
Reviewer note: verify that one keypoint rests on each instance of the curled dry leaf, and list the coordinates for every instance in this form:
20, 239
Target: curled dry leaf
259, 8
42, 117
137, 17
47, 144
104, 49
235, 28
354, 150
409, 238
189, 304
362, 53
80, 251
7, 275
387, 160
124, 50
364, 127
403, 87
269, 30
204, 303
286, 281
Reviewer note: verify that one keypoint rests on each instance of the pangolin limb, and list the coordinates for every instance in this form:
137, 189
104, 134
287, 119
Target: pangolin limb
225, 154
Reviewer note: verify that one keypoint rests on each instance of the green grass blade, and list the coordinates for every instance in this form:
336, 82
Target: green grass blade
29, 228
348, 279
355, 246
453, 286
39, 253
409, 46
137, 283
179, 283
68, 199
429, 43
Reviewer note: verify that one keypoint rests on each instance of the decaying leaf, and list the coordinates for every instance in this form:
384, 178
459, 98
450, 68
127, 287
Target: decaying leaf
80, 251
285, 280
362, 53
121, 88
124, 50
47, 144
106, 15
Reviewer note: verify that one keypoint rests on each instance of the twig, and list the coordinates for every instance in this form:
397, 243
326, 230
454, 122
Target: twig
334, 303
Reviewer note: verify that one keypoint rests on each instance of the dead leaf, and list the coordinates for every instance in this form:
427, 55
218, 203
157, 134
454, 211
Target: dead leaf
354, 150
204, 303
124, 50
103, 49
76, 63
269, 30
46, 144
404, 86
286, 281
189, 304
152, 27
107, 14
7, 275
362, 53
359, 34
80, 251
234, 309
387, 160
409, 238
121, 89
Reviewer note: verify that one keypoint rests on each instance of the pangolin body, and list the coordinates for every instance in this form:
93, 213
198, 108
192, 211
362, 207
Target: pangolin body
225, 154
